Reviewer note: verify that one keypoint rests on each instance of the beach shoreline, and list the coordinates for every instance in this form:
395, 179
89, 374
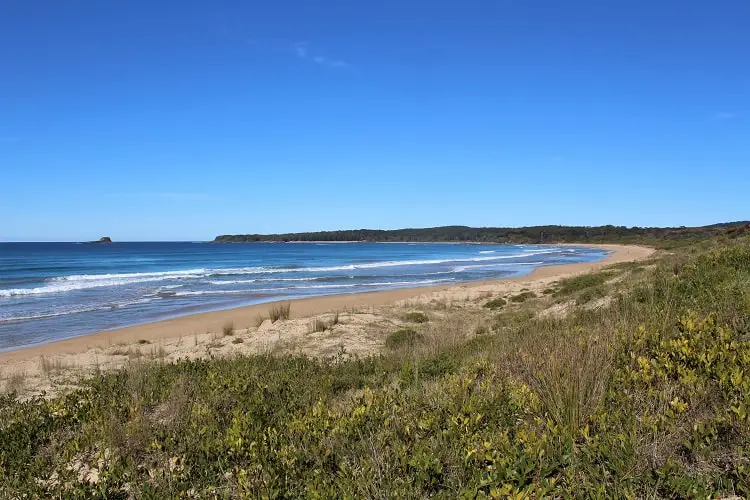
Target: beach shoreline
246, 317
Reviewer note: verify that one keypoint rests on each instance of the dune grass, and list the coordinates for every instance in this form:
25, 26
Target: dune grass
317, 325
280, 311
646, 397
228, 329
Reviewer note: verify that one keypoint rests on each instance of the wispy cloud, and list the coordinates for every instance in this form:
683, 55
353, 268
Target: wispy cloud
302, 50
174, 196
723, 116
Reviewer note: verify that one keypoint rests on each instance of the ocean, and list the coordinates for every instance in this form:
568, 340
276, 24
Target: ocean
52, 291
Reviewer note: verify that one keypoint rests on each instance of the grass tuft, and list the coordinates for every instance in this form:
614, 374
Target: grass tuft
280, 312
228, 329
259, 319
51, 367
317, 325
15, 382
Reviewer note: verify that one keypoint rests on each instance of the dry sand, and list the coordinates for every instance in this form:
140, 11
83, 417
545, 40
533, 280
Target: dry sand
365, 319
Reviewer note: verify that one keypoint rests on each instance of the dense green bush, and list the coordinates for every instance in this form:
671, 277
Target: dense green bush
496, 303
522, 297
401, 338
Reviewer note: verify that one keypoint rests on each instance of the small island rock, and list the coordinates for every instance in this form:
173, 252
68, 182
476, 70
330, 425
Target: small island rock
103, 239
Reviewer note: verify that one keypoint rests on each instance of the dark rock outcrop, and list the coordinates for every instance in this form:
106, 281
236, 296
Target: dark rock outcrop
103, 239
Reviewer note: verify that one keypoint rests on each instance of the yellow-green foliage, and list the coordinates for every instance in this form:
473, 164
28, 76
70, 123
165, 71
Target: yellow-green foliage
646, 398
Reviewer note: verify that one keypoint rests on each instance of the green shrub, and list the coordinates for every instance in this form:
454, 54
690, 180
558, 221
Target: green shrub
575, 284
438, 366
496, 303
522, 297
402, 338
590, 294
228, 329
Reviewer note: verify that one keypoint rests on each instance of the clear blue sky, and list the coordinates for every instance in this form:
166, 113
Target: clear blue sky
148, 120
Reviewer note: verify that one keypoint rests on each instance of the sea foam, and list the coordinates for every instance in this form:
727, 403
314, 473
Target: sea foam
85, 281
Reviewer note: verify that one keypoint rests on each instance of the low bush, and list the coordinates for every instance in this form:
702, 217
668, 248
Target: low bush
496, 303
575, 284
402, 338
416, 317
522, 297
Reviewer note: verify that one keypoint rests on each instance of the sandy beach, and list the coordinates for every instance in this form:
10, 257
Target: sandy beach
364, 320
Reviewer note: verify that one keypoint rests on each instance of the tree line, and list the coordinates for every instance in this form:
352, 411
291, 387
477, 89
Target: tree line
517, 235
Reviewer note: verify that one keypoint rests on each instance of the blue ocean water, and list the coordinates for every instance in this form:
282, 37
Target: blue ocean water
50, 291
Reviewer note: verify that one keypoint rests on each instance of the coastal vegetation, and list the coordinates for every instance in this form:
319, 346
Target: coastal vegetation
279, 312
630, 382
660, 237
496, 303
416, 317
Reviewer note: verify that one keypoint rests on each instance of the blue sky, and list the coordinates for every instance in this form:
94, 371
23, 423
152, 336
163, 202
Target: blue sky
155, 120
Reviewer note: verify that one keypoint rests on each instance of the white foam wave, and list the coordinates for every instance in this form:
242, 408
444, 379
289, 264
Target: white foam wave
257, 280
68, 287
84, 281
282, 289
190, 273
488, 251
68, 312
460, 269
398, 263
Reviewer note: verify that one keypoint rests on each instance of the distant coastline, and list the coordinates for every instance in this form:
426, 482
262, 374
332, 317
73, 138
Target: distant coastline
495, 235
